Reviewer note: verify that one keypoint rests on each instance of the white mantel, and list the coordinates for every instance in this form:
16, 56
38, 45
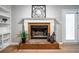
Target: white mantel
52, 22
37, 19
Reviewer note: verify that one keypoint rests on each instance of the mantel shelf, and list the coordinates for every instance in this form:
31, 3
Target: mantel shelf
37, 19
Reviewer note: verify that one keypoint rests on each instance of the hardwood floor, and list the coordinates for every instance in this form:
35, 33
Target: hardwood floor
64, 48
67, 48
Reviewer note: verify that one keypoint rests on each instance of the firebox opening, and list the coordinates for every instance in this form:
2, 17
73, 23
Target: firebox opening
39, 32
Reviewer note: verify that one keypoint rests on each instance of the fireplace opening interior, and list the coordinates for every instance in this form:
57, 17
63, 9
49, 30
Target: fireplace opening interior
39, 32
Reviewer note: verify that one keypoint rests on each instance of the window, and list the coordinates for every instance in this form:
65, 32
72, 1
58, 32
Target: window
70, 26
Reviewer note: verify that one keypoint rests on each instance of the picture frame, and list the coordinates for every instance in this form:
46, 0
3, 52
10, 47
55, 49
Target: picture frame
38, 11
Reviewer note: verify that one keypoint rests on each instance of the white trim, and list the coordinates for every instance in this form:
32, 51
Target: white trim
64, 11
14, 43
5, 47
2, 49
60, 43
54, 19
70, 42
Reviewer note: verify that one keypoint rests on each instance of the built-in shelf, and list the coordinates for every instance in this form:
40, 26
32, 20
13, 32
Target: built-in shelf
4, 9
4, 23
4, 33
2, 15
5, 27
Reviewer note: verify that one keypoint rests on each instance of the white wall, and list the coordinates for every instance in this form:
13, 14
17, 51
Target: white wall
19, 12
24, 11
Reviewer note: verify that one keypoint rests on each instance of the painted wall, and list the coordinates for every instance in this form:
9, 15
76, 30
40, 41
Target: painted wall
24, 11
18, 13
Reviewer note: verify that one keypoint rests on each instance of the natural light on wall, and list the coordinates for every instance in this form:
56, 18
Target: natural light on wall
70, 26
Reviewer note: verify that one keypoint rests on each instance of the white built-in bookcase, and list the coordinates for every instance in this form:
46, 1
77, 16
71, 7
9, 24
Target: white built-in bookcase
5, 27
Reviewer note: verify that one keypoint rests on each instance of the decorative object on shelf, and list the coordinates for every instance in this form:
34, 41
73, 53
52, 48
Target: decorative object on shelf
38, 11
23, 35
4, 19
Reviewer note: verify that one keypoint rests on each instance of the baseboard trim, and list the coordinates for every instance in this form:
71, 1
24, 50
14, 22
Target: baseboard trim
14, 43
4, 47
60, 43
69, 43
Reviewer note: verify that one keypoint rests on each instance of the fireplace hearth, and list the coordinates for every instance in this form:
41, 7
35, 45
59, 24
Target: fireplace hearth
39, 32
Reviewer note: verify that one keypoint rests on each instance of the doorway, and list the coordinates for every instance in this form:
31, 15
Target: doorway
69, 26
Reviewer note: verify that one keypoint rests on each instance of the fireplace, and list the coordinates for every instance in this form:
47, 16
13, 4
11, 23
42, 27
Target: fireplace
38, 30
